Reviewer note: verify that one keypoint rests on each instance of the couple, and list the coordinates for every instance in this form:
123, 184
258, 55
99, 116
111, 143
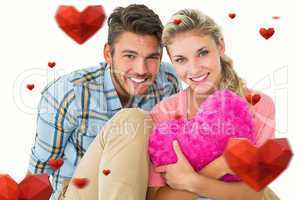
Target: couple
98, 119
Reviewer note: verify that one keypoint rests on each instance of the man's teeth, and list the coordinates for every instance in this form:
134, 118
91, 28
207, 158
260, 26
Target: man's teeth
200, 78
137, 80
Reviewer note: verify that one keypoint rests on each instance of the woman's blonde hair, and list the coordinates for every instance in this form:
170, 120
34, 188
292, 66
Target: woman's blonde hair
194, 20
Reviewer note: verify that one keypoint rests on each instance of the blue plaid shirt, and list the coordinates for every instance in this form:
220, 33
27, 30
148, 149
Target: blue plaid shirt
75, 107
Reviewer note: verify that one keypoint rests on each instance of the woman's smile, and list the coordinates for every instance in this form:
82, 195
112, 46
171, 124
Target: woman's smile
200, 79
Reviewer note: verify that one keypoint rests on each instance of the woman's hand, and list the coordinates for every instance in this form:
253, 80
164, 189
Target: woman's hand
217, 168
179, 175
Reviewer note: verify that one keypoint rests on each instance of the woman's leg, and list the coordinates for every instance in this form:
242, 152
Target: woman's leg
121, 148
167, 193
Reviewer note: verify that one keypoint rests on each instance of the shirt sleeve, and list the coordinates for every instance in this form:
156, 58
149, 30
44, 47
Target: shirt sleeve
171, 78
56, 120
264, 125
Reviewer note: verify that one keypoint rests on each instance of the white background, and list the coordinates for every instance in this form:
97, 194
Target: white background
30, 38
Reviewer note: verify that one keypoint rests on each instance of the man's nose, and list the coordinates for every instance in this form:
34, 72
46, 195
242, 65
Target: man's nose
141, 68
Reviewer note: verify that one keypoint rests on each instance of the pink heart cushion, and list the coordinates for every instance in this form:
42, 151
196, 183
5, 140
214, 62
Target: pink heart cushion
202, 139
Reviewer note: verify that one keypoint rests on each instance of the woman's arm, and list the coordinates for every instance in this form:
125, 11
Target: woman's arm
217, 168
151, 192
167, 193
220, 190
181, 176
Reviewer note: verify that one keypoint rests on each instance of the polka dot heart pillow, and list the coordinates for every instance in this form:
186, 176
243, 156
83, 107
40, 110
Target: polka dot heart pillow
221, 116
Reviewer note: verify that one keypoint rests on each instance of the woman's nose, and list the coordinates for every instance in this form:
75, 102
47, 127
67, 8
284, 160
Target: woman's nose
196, 66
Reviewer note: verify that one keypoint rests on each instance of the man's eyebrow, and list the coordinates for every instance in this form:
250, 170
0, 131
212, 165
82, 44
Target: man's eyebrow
129, 51
154, 54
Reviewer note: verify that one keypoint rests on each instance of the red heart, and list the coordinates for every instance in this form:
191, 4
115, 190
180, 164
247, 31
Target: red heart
32, 187
106, 172
177, 117
266, 33
253, 99
51, 64
258, 166
276, 17
80, 182
177, 21
80, 26
30, 86
8, 188
232, 15
35, 187
55, 164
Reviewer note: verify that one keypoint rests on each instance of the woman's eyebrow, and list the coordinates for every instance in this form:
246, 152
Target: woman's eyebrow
178, 56
201, 49
198, 51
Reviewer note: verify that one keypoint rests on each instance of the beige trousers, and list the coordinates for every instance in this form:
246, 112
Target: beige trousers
121, 148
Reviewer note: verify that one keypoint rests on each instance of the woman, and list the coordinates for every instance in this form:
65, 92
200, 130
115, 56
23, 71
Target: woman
196, 48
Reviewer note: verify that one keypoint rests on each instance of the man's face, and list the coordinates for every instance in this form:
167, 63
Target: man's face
135, 62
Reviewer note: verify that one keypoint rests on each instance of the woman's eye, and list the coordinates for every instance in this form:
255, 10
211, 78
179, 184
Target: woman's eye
179, 60
203, 53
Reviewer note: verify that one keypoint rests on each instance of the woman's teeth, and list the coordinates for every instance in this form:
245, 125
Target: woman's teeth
200, 78
138, 80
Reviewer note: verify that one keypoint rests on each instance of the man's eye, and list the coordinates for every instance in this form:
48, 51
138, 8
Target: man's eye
203, 53
130, 56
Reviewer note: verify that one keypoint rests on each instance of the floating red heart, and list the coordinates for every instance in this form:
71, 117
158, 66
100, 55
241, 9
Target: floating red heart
80, 182
232, 15
80, 26
8, 188
253, 98
55, 164
35, 187
266, 33
32, 187
276, 17
177, 21
106, 172
177, 117
51, 64
258, 166
30, 86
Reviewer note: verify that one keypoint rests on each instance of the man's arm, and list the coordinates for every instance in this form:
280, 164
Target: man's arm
56, 121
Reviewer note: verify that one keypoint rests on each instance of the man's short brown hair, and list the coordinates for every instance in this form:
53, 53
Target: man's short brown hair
134, 18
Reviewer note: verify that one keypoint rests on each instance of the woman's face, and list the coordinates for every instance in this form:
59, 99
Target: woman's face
196, 59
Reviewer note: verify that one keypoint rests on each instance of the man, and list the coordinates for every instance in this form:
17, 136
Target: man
74, 108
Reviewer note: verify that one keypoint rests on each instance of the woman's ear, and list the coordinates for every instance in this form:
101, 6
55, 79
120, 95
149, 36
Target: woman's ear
107, 53
222, 47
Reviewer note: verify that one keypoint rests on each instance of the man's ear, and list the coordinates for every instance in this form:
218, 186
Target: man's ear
222, 46
107, 53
